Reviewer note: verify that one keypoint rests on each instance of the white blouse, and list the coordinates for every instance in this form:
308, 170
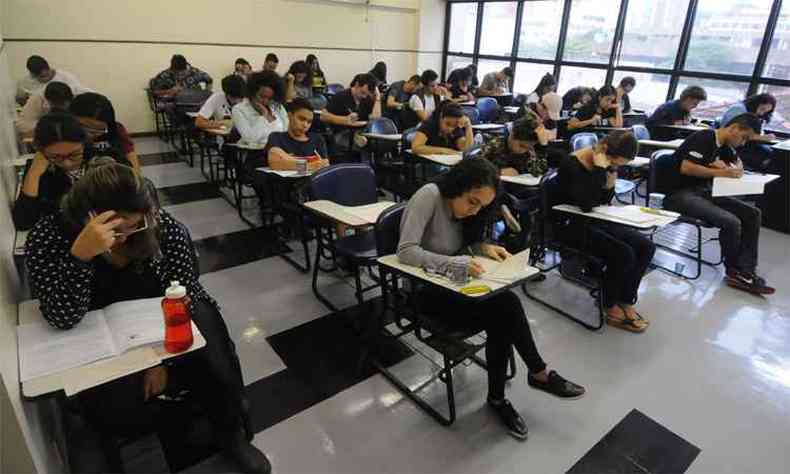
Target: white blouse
254, 127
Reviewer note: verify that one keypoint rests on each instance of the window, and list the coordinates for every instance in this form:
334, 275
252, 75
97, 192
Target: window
540, 29
721, 95
652, 33
499, 24
727, 35
528, 75
484, 66
778, 63
780, 121
650, 91
456, 62
463, 23
591, 30
571, 77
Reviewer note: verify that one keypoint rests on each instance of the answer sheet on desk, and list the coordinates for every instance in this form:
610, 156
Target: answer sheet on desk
44, 350
748, 184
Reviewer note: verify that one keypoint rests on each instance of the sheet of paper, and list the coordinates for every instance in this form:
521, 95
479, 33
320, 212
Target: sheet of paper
369, 212
510, 270
626, 213
44, 350
522, 179
487, 126
446, 160
785, 145
748, 184
136, 323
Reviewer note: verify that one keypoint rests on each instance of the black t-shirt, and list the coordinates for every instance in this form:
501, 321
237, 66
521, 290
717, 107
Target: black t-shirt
431, 130
588, 111
699, 148
314, 145
396, 91
625, 102
343, 104
456, 91
667, 114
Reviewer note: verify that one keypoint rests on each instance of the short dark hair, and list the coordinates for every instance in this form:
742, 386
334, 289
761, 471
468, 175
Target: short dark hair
747, 121
270, 79
627, 81
365, 79
547, 81
428, 76
36, 65
233, 85
178, 62
621, 143
694, 92
415, 79
99, 107
753, 102
56, 127
508, 71
301, 67
446, 108
242, 61
469, 174
58, 94
524, 129
299, 103
272, 57
606, 91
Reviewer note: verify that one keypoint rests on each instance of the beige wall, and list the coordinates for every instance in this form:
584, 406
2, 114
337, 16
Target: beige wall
346, 38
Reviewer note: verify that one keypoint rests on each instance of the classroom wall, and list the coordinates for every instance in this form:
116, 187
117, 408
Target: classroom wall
116, 47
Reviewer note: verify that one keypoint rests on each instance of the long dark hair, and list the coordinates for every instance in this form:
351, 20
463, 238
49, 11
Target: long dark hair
380, 71
621, 143
752, 102
301, 67
99, 107
444, 109
261, 79
546, 83
311, 61
469, 174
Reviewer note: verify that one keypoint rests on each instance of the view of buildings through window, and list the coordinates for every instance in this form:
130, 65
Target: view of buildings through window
723, 47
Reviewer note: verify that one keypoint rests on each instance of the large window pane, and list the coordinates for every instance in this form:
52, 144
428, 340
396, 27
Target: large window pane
484, 66
456, 62
727, 35
540, 29
499, 24
463, 23
591, 30
778, 63
652, 32
721, 95
571, 77
781, 117
528, 75
650, 91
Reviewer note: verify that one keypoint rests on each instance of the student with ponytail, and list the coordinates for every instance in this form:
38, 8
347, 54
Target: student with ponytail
602, 111
446, 132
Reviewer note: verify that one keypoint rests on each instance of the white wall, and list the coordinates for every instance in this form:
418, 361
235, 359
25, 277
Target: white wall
106, 40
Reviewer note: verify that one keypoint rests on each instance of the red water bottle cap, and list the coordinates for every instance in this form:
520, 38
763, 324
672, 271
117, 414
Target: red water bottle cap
176, 291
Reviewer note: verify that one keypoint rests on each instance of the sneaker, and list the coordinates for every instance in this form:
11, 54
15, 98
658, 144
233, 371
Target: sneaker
557, 386
514, 423
748, 282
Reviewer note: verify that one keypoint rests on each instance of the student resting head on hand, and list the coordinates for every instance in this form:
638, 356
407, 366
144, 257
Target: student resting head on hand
442, 228
107, 136
446, 132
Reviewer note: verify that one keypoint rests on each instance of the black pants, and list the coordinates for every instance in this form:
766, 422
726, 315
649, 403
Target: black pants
626, 253
503, 319
212, 375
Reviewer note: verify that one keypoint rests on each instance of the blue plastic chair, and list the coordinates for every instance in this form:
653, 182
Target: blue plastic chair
381, 154
472, 113
583, 140
333, 89
488, 109
641, 132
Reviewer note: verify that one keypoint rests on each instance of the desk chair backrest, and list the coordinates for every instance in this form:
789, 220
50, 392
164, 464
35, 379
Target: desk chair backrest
641, 132
471, 112
662, 169
488, 109
194, 98
348, 184
333, 89
583, 140
388, 229
382, 125
473, 152
407, 138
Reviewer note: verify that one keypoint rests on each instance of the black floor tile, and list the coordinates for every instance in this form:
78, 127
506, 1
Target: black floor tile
159, 159
184, 193
279, 397
638, 444
237, 248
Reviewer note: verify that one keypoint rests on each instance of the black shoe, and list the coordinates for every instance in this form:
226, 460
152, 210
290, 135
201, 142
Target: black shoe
514, 423
557, 386
247, 457
748, 282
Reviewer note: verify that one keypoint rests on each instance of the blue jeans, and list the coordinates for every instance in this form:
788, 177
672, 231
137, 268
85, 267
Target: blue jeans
738, 223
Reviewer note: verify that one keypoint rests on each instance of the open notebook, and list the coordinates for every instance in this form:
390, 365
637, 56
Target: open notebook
107, 332
508, 270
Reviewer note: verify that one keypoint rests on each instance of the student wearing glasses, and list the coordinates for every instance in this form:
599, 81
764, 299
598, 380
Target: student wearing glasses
443, 227
108, 242
106, 136
602, 111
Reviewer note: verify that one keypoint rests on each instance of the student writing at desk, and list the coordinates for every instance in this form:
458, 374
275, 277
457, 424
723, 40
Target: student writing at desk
285, 148
361, 101
109, 242
586, 179
678, 111
56, 97
219, 105
303, 84
446, 132
62, 156
535, 98
496, 83
41, 74
514, 153
576, 98
460, 86
755, 153
703, 156
397, 102
445, 219
627, 84
180, 75
602, 111
107, 136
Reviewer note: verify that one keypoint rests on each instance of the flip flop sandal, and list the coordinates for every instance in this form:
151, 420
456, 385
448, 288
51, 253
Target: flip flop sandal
639, 317
625, 324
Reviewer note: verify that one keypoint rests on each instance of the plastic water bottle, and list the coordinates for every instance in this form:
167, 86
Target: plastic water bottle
178, 320
656, 201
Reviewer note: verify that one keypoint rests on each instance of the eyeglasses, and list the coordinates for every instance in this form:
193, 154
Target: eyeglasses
141, 226
96, 132
76, 156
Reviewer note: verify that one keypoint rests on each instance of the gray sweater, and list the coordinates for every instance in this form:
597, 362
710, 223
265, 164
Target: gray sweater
429, 234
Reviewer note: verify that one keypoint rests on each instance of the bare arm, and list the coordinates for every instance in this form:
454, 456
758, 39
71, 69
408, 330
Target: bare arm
205, 124
133, 160
617, 121
689, 168
468, 139
333, 119
419, 147
575, 123
376, 112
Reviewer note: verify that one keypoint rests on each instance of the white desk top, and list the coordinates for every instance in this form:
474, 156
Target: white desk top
390, 137
352, 216
248, 146
666, 217
446, 160
693, 128
470, 103
671, 144
222, 131
522, 179
21, 162
392, 262
75, 380
285, 173
192, 114
488, 126
511, 109
639, 162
